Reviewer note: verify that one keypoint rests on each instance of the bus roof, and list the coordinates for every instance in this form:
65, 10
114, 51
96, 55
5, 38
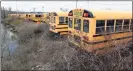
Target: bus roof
35, 14
61, 13
109, 14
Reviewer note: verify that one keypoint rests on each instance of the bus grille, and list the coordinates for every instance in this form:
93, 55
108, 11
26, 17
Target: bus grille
77, 38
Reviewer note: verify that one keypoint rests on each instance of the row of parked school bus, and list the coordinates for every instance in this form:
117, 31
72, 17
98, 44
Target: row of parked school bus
95, 31
43, 17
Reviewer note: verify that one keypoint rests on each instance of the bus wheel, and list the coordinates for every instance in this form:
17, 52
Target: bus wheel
70, 44
44, 22
53, 35
129, 45
57, 36
50, 34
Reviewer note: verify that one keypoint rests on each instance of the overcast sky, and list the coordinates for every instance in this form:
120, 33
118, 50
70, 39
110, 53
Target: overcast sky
50, 6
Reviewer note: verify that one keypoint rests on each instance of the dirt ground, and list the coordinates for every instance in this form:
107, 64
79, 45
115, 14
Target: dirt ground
38, 51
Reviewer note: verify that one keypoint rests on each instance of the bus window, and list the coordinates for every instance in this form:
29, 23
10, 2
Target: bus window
70, 22
26, 15
49, 19
86, 26
38, 15
43, 16
54, 20
61, 20
126, 25
118, 25
66, 20
110, 26
100, 24
77, 24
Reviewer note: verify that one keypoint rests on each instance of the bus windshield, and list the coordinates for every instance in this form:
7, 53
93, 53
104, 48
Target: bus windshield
77, 24
38, 15
70, 22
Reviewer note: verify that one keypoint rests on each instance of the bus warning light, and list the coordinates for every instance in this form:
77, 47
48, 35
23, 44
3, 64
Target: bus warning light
85, 14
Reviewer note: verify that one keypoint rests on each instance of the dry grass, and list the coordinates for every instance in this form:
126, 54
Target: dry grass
37, 51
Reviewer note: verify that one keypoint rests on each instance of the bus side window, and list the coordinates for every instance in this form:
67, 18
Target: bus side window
49, 19
118, 25
39, 15
70, 22
35, 15
26, 15
61, 20
66, 20
77, 24
100, 24
54, 19
126, 25
86, 26
110, 26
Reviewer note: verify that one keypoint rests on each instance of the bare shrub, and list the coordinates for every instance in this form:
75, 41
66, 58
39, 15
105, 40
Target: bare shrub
38, 52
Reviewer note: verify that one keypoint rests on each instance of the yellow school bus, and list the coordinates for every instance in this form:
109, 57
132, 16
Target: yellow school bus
36, 17
28, 16
96, 31
13, 15
10, 15
59, 23
22, 16
18, 15
45, 18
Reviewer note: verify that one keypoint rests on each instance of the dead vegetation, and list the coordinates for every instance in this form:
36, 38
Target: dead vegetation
37, 51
